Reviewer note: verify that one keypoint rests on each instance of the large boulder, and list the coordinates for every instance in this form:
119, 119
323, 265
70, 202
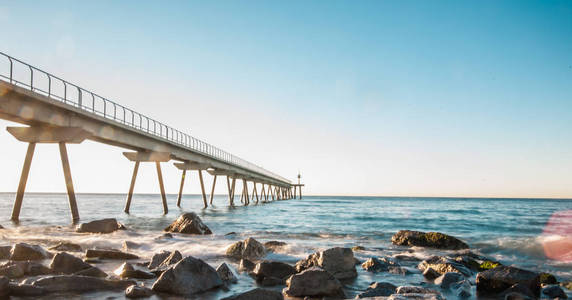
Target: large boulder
378, 289
249, 249
272, 272
23, 251
127, 270
187, 277
257, 294
443, 265
109, 254
428, 239
100, 226
189, 223
65, 263
274, 245
226, 274
76, 283
313, 282
383, 264
496, 280
136, 291
339, 262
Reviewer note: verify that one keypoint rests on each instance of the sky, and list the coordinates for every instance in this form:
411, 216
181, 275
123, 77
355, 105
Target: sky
378, 98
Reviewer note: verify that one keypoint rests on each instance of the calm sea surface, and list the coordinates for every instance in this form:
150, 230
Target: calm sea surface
509, 230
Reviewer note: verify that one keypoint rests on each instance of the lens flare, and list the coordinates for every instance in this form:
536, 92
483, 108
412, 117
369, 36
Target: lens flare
557, 243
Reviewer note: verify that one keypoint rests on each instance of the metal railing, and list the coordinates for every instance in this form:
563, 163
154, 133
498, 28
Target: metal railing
71, 94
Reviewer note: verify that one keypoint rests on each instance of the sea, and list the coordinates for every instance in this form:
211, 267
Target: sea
514, 232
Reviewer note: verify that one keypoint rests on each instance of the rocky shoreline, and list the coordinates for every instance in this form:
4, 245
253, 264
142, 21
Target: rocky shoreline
458, 272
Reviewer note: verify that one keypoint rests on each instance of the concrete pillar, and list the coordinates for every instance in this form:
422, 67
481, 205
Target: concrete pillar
203, 188
246, 199
162, 187
157, 158
212, 190
255, 192
181, 188
23, 180
69, 182
228, 189
233, 189
131, 187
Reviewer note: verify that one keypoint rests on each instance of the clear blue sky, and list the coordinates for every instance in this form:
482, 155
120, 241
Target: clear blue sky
453, 98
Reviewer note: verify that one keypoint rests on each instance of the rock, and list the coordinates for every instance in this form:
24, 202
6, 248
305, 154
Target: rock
503, 277
26, 290
313, 282
92, 272
109, 254
66, 246
414, 296
75, 283
189, 223
554, 291
446, 280
17, 269
463, 289
158, 258
257, 294
127, 270
567, 285
64, 263
5, 252
226, 274
358, 248
100, 226
517, 296
337, 261
128, 245
518, 291
383, 264
415, 290
272, 272
172, 259
246, 265
188, 276
23, 251
443, 265
274, 245
547, 278
11, 270
378, 289
428, 239
487, 265
4, 286
136, 291
430, 273
249, 249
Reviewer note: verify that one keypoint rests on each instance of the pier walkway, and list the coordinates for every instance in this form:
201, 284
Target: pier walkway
57, 111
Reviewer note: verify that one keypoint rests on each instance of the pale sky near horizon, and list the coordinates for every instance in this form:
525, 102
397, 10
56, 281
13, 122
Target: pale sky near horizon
410, 98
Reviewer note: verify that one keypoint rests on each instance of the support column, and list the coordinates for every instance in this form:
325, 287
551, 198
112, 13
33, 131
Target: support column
23, 181
228, 189
181, 188
271, 192
233, 190
300, 193
255, 192
131, 187
162, 187
246, 199
203, 188
212, 190
69, 182
263, 193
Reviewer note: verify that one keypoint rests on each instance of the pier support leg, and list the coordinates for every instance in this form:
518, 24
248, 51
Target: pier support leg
212, 190
255, 192
228, 189
233, 186
294, 192
246, 200
181, 188
271, 192
203, 188
162, 187
69, 182
300, 192
262, 193
23, 181
131, 187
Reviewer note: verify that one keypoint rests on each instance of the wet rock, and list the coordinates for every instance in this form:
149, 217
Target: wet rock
92, 272
415, 290
414, 296
547, 278
109, 254
158, 258
127, 270
246, 265
17, 269
4, 286
66, 246
518, 291
487, 265
23, 251
517, 296
26, 290
462, 289
65, 263
503, 277
129, 245
446, 280
189, 223
337, 261
11, 270
272, 272
274, 245
75, 283
554, 291
226, 274
358, 248
188, 276
567, 284
378, 289
406, 257
257, 294
443, 265
430, 273
5, 252
313, 282
100, 226
249, 249
428, 239
173, 258
383, 264
136, 291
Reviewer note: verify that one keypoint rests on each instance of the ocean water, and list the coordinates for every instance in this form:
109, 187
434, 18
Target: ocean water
513, 231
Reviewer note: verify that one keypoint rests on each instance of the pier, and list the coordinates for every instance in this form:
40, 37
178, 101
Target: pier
56, 111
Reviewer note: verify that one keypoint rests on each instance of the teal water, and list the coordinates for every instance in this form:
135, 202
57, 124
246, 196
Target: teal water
512, 231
